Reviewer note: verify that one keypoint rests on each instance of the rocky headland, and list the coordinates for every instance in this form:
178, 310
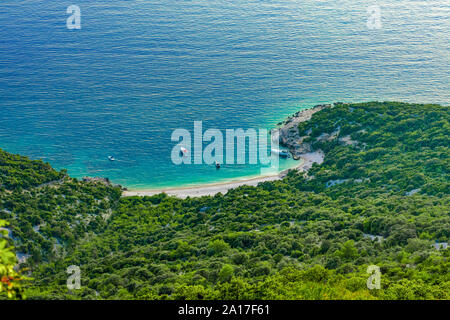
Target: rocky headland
291, 138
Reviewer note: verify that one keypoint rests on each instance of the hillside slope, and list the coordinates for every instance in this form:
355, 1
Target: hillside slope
381, 197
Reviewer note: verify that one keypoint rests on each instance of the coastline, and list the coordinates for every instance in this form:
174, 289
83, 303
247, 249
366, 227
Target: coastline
289, 138
307, 160
209, 189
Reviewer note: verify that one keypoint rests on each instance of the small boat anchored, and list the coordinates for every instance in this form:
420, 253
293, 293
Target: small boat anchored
281, 153
111, 158
217, 165
184, 151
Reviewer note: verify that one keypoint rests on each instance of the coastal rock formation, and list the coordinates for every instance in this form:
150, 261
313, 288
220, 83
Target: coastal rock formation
104, 181
291, 138
97, 179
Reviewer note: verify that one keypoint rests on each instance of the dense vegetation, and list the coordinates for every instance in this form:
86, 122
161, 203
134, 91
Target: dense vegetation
10, 280
48, 218
381, 197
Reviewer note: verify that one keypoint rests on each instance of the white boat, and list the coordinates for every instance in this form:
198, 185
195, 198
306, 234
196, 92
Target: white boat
184, 151
111, 158
281, 153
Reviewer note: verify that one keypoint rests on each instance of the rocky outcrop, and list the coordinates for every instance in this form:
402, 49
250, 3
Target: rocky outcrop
97, 179
104, 181
289, 135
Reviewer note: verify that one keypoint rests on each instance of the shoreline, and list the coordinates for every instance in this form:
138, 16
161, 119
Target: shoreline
208, 189
212, 189
289, 138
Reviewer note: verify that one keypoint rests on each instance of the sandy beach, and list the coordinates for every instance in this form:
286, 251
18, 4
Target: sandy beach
306, 159
211, 189
202, 190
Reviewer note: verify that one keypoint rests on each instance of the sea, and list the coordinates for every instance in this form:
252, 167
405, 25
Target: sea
136, 70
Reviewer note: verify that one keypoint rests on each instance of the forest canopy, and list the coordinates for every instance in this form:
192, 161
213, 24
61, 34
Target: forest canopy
381, 197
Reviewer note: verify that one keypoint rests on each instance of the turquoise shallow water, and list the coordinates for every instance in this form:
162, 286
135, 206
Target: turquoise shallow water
139, 69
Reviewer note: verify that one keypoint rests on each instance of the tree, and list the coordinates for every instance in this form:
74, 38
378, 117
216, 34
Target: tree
226, 273
348, 250
218, 247
9, 278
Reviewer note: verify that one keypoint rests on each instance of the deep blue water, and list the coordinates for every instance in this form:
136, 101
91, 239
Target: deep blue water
139, 69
